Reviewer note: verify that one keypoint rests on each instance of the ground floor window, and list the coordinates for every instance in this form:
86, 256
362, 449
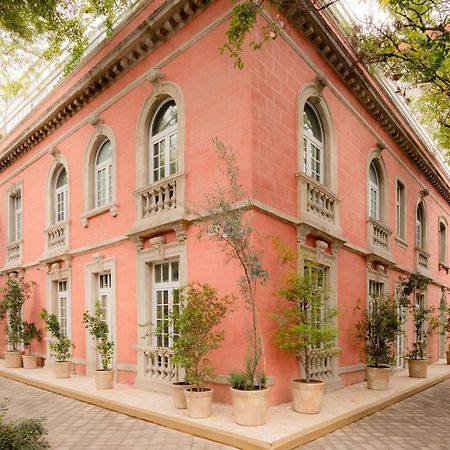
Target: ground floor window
401, 341
62, 305
105, 299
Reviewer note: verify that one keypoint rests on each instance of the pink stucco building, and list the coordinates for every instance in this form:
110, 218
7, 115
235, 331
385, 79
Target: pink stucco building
95, 180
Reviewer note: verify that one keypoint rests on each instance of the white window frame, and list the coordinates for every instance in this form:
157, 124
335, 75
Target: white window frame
309, 143
401, 344
374, 194
105, 167
164, 286
63, 296
443, 242
61, 197
400, 207
17, 217
420, 227
105, 292
157, 139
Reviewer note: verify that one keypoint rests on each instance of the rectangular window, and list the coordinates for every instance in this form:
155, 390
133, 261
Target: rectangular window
400, 210
104, 185
420, 302
61, 202
442, 243
400, 345
62, 307
104, 296
16, 217
165, 285
373, 203
376, 288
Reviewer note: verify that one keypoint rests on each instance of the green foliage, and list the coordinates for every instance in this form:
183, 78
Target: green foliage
194, 335
227, 219
425, 321
244, 381
243, 20
14, 295
378, 328
62, 348
22, 434
413, 47
30, 333
445, 331
98, 328
306, 323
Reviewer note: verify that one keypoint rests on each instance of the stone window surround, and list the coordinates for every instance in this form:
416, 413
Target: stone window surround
101, 133
91, 272
443, 246
14, 190
402, 241
421, 204
312, 93
160, 92
375, 157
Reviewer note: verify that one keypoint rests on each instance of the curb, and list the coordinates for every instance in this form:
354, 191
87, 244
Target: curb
224, 437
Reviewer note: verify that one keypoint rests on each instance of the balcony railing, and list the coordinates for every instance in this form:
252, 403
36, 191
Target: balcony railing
158, 365
14, 252
317, 200
57, 237
162, 197
378, 234
422, 258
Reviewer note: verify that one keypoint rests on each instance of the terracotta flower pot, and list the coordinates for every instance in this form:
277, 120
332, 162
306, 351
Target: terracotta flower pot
29, 361
13, 359
417, 368
378, 378
62, 369
104, 379
179, 399
249, 407
447, 354
199, 403
307, 397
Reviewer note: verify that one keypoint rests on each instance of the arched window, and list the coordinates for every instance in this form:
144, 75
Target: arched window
103, 175
163, 151
60, 200
420, 226
313, 144
374, 192
442, 241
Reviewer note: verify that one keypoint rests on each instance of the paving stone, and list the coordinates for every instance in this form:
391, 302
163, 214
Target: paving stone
417, 423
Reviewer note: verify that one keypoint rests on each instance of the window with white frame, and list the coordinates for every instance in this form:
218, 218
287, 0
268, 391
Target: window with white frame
164, 141
420, 226
63, 306
419, 303
442, 242
374, 192
105, 299
165, 287
376, 288
103, 175
400, 210
16, 217
313, 144
401, 342
61, 194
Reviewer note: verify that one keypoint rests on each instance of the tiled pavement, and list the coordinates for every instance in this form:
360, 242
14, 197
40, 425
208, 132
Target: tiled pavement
420, 422
75, 425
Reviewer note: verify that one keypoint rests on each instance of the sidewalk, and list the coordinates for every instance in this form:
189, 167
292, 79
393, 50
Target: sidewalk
284, 428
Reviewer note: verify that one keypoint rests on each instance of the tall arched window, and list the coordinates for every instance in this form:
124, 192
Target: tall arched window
60, 200
103, 175
163, 150
374, 192
313, 144
442, 241
420, 226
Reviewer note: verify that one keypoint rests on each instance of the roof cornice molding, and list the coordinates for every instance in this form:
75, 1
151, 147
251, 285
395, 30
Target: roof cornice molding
311, 23
150, 34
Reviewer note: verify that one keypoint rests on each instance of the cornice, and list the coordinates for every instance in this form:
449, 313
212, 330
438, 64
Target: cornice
317, 30
163, 22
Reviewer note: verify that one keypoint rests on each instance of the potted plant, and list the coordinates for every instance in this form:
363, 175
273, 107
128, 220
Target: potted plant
306, 329
99, 330
377, 329
446, 331
227, 218
14, 295
425, 324
60, 345
30, 333
193, 329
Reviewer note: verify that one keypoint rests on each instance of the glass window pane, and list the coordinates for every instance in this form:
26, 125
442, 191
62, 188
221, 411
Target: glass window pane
105, 153
311, 123
62, 179
165, 117
165, 272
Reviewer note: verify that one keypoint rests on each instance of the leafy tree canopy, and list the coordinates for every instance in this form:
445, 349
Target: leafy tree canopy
411, 46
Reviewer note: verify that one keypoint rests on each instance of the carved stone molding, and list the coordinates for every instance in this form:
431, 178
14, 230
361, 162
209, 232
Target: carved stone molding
180, 231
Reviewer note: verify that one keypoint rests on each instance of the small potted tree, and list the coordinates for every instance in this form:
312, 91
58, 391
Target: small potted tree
60, 345
226, 218
30, 333
377, 329
193, 329
14, 295
306, 329
99, 330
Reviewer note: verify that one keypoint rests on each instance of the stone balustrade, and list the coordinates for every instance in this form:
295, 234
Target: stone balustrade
319, 200
57, 236
158, 365
379, 234
422, 258
14, 252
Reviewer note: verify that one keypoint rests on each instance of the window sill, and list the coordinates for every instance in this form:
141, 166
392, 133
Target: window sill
444, 266
401, 242
112, 208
